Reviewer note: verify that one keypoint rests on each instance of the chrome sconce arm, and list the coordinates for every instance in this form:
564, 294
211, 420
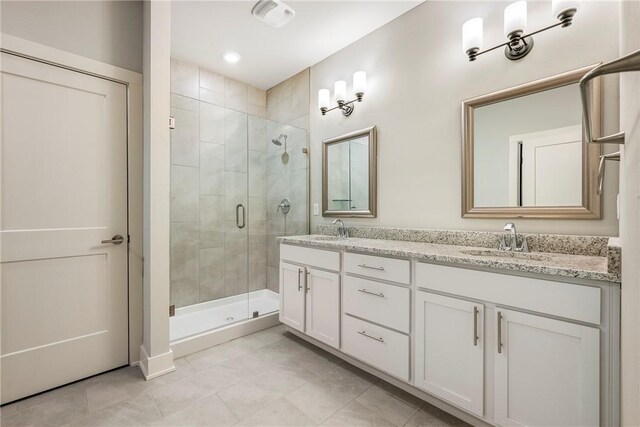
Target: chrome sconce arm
345, 106
630, 62
518, 44
611, 156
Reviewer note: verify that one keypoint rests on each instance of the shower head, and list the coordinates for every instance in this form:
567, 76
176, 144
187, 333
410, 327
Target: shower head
277, 141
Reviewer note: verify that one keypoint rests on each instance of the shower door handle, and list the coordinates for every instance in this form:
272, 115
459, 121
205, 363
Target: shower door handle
238, 206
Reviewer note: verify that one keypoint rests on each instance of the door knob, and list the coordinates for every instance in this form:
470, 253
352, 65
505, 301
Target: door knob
116, 240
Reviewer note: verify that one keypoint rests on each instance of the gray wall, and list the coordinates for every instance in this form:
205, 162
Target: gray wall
107, 31
417, 78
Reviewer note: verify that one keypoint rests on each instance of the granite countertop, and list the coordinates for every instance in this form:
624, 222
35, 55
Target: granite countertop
557, 264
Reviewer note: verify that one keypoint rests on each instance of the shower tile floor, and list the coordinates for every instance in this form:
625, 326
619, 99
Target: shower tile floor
270, 378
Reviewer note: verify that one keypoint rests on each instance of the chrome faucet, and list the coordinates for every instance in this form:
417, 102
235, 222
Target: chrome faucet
513, 240
343, 231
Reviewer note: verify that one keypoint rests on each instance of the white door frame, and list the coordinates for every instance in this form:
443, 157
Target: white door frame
133, 82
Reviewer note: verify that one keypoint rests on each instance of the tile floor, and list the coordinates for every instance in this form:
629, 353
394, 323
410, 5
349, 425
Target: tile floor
270, 378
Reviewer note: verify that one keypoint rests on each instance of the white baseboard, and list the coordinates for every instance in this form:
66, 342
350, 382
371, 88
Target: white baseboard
155, 366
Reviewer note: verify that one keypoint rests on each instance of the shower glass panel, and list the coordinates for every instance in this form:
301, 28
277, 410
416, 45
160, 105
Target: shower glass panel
285, 190
228, 183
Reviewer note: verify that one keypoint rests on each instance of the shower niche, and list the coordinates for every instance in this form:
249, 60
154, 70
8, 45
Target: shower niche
238, 182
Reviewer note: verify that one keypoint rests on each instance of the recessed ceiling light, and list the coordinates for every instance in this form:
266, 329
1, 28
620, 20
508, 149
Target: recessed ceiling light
231, 57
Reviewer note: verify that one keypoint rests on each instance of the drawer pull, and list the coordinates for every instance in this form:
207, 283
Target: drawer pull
299, 281
499, 332
370, 267
375, 294
475, 326
369, 336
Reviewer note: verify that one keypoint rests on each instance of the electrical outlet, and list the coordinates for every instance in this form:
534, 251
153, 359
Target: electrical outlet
316, 209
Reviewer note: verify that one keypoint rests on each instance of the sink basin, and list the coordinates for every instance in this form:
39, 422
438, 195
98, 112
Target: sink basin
506, 254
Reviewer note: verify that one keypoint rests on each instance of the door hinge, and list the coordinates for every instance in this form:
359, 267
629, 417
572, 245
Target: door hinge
172, 310
172, 122
128, 238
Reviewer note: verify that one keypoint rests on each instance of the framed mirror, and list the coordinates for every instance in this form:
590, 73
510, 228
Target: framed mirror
524, 153
349, 175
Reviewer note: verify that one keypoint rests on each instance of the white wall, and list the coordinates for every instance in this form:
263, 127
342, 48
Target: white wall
417, 78
107, 31
630, 221
156, 357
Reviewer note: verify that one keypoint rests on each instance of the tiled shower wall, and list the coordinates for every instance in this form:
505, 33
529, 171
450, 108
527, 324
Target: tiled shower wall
221, 155
288, 112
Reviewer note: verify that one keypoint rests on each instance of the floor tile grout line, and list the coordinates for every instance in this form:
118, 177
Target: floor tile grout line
248, 379
347, 403
155, 404
229, 409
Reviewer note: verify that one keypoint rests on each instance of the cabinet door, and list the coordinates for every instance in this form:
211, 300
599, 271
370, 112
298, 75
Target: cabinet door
292, 295
323, 306
546, 371
449, 350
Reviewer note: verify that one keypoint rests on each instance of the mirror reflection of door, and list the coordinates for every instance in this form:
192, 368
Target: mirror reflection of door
545, 168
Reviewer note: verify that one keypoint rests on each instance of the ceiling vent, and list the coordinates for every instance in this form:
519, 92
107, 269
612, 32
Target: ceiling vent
273, 12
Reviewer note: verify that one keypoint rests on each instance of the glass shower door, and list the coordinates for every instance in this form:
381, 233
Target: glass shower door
236, 207
278, 203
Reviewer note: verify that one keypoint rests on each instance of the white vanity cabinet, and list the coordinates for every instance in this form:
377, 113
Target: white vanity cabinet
546, 371
309, 294
510, 349
450, 349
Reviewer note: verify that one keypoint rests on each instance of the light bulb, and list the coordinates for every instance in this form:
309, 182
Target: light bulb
515, 18
340, 90
472, 34
324, 98
561, 9
359, 82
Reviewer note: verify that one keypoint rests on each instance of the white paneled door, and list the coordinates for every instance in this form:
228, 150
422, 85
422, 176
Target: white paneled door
64, 192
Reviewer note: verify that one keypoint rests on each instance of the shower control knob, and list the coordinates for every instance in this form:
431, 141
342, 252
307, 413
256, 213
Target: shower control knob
284, 206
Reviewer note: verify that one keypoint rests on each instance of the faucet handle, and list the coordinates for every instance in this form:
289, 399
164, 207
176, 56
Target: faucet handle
503, 243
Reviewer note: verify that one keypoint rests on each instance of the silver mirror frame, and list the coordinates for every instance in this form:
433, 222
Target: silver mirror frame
591, 202
373, 175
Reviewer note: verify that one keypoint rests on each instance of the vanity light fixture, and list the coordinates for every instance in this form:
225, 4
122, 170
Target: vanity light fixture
340, 94
518, 44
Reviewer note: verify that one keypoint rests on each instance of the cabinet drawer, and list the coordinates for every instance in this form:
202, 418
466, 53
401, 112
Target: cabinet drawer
395, 270
388, 305
380, 347
566, 300
329, 260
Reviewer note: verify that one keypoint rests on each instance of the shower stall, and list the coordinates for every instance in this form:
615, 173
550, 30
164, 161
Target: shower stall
238, 181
